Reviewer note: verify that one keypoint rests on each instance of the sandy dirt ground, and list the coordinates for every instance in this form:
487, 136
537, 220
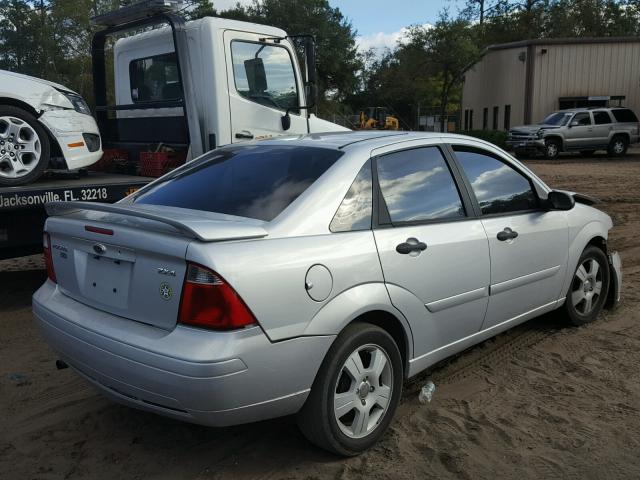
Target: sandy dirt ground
540, 401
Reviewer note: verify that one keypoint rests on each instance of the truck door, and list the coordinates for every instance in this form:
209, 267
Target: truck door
264, 81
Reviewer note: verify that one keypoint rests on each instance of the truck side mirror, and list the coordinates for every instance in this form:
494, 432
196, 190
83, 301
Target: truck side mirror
560, 201
256, 75
286, 121
574, 124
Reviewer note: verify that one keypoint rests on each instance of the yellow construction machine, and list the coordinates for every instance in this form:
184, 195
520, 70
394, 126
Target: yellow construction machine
377, 118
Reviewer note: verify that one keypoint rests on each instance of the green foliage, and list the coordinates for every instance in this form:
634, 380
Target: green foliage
497, 137
51, 39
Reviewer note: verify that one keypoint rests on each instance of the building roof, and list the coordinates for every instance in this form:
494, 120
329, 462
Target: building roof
563, 41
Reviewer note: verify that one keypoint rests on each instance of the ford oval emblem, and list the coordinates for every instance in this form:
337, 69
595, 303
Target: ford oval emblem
99, 248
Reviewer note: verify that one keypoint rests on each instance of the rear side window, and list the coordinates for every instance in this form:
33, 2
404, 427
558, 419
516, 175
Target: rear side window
249, 181
624, 115
155, 79
498, 187
417, 185
601, 117
354, 212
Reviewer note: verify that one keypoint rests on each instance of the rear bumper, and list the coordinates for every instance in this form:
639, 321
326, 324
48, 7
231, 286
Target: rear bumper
210, 378
615, 286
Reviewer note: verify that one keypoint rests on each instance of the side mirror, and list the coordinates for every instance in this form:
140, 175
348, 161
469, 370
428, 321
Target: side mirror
256, 75
560, 201
574, 124
286, 121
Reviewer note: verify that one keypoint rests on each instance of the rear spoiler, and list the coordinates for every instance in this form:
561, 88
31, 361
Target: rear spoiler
204, 229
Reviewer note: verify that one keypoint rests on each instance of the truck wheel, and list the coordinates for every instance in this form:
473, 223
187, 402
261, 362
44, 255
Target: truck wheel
355, 393
618, 146
589, 286
551, 149
24, 147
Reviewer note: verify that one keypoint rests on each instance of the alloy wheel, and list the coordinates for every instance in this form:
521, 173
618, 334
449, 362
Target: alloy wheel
363, 391
587, 286
618, 147
20, 147
552, 150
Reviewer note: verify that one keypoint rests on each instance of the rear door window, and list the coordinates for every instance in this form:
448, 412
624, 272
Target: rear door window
248, 181
601, 117
417, 185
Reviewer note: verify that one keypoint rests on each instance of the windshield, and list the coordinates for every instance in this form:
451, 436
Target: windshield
250, 181
558, 119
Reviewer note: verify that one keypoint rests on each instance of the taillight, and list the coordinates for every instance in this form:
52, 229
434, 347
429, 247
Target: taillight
209, 301
48, 259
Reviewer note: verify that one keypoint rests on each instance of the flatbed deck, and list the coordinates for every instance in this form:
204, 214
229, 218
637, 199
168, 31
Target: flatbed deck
22, 213
90, 186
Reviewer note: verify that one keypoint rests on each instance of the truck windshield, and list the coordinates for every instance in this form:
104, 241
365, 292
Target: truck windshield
257, 181
558, 119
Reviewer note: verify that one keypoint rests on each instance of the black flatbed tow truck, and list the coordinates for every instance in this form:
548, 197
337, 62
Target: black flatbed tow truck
22, 212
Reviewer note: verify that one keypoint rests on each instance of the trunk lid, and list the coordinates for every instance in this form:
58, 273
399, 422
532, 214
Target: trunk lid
130, 261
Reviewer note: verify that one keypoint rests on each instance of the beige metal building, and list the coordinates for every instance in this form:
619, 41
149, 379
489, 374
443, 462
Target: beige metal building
522, 82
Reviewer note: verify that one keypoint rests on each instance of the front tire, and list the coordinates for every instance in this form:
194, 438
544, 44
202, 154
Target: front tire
356, 391
24, 147
551, 149
589, 286
618, 146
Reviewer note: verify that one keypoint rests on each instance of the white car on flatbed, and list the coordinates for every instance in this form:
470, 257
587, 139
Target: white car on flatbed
42, 121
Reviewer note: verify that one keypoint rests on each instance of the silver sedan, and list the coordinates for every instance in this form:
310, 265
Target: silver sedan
313, 276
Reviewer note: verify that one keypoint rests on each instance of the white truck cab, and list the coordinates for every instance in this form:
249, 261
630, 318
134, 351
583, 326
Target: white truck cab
203, 83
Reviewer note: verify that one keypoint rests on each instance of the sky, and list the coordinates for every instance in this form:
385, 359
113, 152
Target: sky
380, 23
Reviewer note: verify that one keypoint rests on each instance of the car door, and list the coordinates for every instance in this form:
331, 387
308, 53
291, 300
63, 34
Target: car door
579, 133
433, 251
528, 244
263, 84
603, 125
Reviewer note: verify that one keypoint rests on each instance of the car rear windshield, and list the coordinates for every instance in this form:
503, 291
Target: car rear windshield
257, 181
624, 115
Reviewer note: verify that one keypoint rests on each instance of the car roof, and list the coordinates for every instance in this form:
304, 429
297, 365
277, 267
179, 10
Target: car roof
345, 139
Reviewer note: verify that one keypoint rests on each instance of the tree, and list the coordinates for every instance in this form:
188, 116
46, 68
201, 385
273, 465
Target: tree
449, 47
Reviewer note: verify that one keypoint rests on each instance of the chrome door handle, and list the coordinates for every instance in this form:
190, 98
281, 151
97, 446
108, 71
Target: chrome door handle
410, 246
507, 234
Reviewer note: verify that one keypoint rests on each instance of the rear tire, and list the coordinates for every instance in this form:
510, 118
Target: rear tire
24, 147
356, 391
618, 146
551, 149
589, 287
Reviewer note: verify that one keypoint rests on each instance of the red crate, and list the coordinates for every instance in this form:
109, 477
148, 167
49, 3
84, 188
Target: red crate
109, 156
156, 164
